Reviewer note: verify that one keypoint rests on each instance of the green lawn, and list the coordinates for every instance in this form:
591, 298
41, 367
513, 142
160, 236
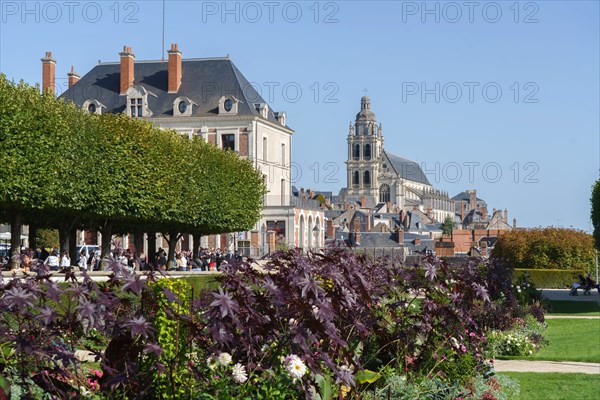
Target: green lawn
571, 340
566, 307
556, 386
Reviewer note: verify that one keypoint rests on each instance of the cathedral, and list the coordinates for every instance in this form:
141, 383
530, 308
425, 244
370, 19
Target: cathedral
385, 182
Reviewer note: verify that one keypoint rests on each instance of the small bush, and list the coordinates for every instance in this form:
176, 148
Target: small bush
549, 278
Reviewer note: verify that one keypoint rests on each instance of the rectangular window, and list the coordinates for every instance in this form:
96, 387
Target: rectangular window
136, 108
228, 142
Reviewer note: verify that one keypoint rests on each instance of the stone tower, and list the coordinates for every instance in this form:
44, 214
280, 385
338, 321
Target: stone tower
365, 144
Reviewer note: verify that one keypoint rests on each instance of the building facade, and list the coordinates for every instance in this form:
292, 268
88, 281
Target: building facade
212, 99
377, 178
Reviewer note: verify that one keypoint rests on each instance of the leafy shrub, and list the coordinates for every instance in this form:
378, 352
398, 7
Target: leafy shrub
550, 278
555, 248
523, 340
510, 343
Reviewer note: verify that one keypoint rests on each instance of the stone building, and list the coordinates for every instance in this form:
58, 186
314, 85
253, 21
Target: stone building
209, 98
376, 177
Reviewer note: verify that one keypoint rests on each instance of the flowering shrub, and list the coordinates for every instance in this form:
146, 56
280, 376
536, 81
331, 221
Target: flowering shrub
523, 340
309, 326
511, 343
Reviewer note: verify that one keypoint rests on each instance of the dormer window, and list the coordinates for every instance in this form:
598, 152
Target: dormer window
263, 109
281, 117
93, 106
183, 107
228, 105
137, 102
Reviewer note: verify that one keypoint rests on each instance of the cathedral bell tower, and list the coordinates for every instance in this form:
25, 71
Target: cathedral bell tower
365, 144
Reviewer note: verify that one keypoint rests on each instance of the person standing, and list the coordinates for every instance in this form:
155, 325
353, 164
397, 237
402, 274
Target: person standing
83, 257
65, 260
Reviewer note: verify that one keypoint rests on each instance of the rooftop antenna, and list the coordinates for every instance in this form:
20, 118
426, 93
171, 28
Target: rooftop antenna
162, 49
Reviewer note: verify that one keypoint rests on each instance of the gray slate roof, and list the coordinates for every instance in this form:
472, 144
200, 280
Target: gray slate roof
203, 81
407, 169
378, 240
465, 197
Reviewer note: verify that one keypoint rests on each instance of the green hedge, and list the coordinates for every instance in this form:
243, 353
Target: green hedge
198, 283
550, 278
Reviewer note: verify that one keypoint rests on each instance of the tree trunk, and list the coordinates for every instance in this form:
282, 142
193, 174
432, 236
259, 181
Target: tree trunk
138, 241
172, 239
64, 230
152, 249
33, 236
106, 231
196, 245
16, 224
73, 245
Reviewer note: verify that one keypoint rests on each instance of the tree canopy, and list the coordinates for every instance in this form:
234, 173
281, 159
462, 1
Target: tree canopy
595, 202
448, 226
62, 167
546, 248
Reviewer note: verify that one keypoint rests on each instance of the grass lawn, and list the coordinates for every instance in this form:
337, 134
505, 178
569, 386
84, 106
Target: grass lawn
578, 308
571, 340
556, 386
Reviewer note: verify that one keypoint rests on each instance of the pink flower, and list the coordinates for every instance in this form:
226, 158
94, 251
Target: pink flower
472, 334
463, 348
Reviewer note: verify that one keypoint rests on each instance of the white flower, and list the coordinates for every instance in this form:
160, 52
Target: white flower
518, 287
239, 373
212, 362
295, 367
454, 342
224, 359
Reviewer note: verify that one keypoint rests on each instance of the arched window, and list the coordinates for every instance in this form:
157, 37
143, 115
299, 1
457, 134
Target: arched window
367, 179
356, 151
355, 179
384, 193
367, 152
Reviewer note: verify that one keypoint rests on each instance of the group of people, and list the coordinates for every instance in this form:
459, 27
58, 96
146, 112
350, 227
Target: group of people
207, 259
54, 260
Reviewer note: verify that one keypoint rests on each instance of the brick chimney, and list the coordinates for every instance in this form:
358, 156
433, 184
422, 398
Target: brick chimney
417, 241
483, 213
356, 229
48, 73
127, 66
505, 216
363, 201
330, 230
368, 227
472, 199
462, 212
514, 223
174, 68
73, 77
399, 235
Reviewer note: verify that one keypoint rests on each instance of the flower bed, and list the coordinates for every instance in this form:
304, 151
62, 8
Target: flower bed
316, 326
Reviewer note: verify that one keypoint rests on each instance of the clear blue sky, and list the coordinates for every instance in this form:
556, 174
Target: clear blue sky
541, 133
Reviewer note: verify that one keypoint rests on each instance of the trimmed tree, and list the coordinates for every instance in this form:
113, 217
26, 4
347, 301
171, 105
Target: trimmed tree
546, 248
